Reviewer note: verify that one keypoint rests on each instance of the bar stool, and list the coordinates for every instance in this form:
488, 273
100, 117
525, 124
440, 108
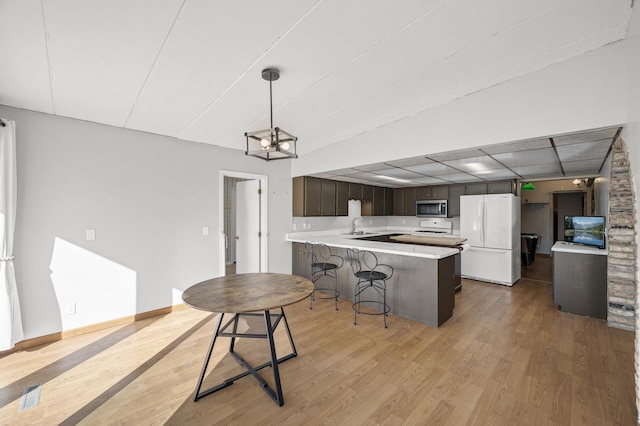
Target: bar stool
323, 265
370, 275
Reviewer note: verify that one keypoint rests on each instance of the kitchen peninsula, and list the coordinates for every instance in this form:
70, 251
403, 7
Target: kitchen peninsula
423, 284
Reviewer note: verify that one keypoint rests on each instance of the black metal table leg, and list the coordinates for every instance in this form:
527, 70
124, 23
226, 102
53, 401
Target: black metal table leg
276, 394
197, 394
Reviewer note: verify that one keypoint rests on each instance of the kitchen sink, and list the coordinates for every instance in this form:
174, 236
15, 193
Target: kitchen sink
385, 238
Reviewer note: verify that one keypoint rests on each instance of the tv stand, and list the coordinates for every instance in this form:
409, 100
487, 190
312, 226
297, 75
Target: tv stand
580, 279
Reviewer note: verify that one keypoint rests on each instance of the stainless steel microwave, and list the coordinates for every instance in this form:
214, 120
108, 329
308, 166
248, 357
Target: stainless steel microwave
431, 208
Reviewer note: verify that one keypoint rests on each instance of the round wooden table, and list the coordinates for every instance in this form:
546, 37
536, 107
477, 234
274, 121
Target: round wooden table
245, 295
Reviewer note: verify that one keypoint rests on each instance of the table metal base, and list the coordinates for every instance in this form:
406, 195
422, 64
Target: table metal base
276, 394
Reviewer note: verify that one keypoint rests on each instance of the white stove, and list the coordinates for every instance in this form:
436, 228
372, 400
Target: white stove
435, 227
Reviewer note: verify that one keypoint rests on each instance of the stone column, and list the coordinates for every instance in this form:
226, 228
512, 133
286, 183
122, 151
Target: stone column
623, 257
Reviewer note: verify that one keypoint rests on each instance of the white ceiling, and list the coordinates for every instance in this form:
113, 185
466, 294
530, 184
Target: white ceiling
190, 69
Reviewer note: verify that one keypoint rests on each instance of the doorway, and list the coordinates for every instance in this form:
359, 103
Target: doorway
242, 223
565, 204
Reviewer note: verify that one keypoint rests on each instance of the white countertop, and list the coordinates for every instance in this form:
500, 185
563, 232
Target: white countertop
339, 239
578, 248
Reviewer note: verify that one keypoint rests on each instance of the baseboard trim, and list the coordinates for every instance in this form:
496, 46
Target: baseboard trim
54, 337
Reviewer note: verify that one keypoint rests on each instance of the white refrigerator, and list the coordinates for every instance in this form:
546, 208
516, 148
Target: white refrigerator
491, 225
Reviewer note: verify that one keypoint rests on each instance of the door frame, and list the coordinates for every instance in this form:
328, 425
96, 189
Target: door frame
264, 240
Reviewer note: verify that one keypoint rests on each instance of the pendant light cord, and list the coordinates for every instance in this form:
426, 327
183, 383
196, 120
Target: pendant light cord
271, 101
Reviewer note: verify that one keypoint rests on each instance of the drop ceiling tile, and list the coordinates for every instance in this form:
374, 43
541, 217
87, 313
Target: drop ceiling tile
407, 162
394, 180
364, 176
540, 170
372, 167
596, 135
323, 175
342, 172
432, 169
428, 180
460, 177
456, 155
399, 173
583, 151
496, 174
584, 166
527, 158
517, 146
350, 179
474, 164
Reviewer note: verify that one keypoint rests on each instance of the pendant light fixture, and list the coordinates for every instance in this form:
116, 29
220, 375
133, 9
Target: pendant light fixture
273, 143
528, 187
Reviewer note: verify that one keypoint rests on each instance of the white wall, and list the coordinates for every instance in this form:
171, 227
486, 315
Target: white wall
580, 93
146, 196
631, 135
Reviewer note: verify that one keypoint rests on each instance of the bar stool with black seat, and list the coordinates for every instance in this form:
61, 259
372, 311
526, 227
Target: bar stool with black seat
371, 275
324, 266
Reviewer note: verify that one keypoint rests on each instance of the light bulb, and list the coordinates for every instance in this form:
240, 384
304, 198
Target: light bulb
265, 143
284, 145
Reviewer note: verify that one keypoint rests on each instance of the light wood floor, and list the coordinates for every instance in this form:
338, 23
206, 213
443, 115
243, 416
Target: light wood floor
508, 356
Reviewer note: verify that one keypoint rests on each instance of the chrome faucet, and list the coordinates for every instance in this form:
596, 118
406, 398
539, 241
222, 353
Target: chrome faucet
353, 224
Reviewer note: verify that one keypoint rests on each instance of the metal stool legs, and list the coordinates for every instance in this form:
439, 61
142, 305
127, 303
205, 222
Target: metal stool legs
324, 265
334, 292
370, 275
381, 288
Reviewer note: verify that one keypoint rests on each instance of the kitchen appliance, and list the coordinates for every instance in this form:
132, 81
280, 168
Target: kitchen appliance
436, 226
491, 225
431, 208
442, 227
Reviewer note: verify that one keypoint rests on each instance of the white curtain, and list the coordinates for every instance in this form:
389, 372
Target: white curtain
10, 318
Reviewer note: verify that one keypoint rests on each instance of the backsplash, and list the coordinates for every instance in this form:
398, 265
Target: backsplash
325, 223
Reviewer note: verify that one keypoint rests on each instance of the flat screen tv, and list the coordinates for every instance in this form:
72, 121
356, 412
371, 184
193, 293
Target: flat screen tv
586, 230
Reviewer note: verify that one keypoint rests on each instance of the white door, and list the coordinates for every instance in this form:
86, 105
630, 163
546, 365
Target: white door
498, 221
488, 265
248, 226
471, 219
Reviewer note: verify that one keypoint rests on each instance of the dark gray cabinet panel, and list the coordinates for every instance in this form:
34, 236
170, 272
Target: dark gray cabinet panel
388, 202
367, 192
307, 196
423, 193
355, 191
378, 201
342, 198
580, 283
398, 202
440, 192
455, 191
409, 202
328, 205
506, 187
476, 188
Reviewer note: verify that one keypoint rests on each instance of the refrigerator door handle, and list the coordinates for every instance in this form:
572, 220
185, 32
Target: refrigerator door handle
484, 220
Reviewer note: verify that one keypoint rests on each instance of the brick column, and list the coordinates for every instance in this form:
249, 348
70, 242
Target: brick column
623, 257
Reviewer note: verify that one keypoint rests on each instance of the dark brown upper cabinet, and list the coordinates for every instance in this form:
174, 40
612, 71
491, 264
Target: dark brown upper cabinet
342, 198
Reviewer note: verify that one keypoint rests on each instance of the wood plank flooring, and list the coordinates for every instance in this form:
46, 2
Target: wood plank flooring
507, 356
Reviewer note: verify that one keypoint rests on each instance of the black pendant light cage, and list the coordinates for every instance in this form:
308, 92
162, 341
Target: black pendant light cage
273, 143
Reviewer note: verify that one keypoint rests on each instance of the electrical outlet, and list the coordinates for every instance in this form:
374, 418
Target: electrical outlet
205, 230
70, 308
91, 234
